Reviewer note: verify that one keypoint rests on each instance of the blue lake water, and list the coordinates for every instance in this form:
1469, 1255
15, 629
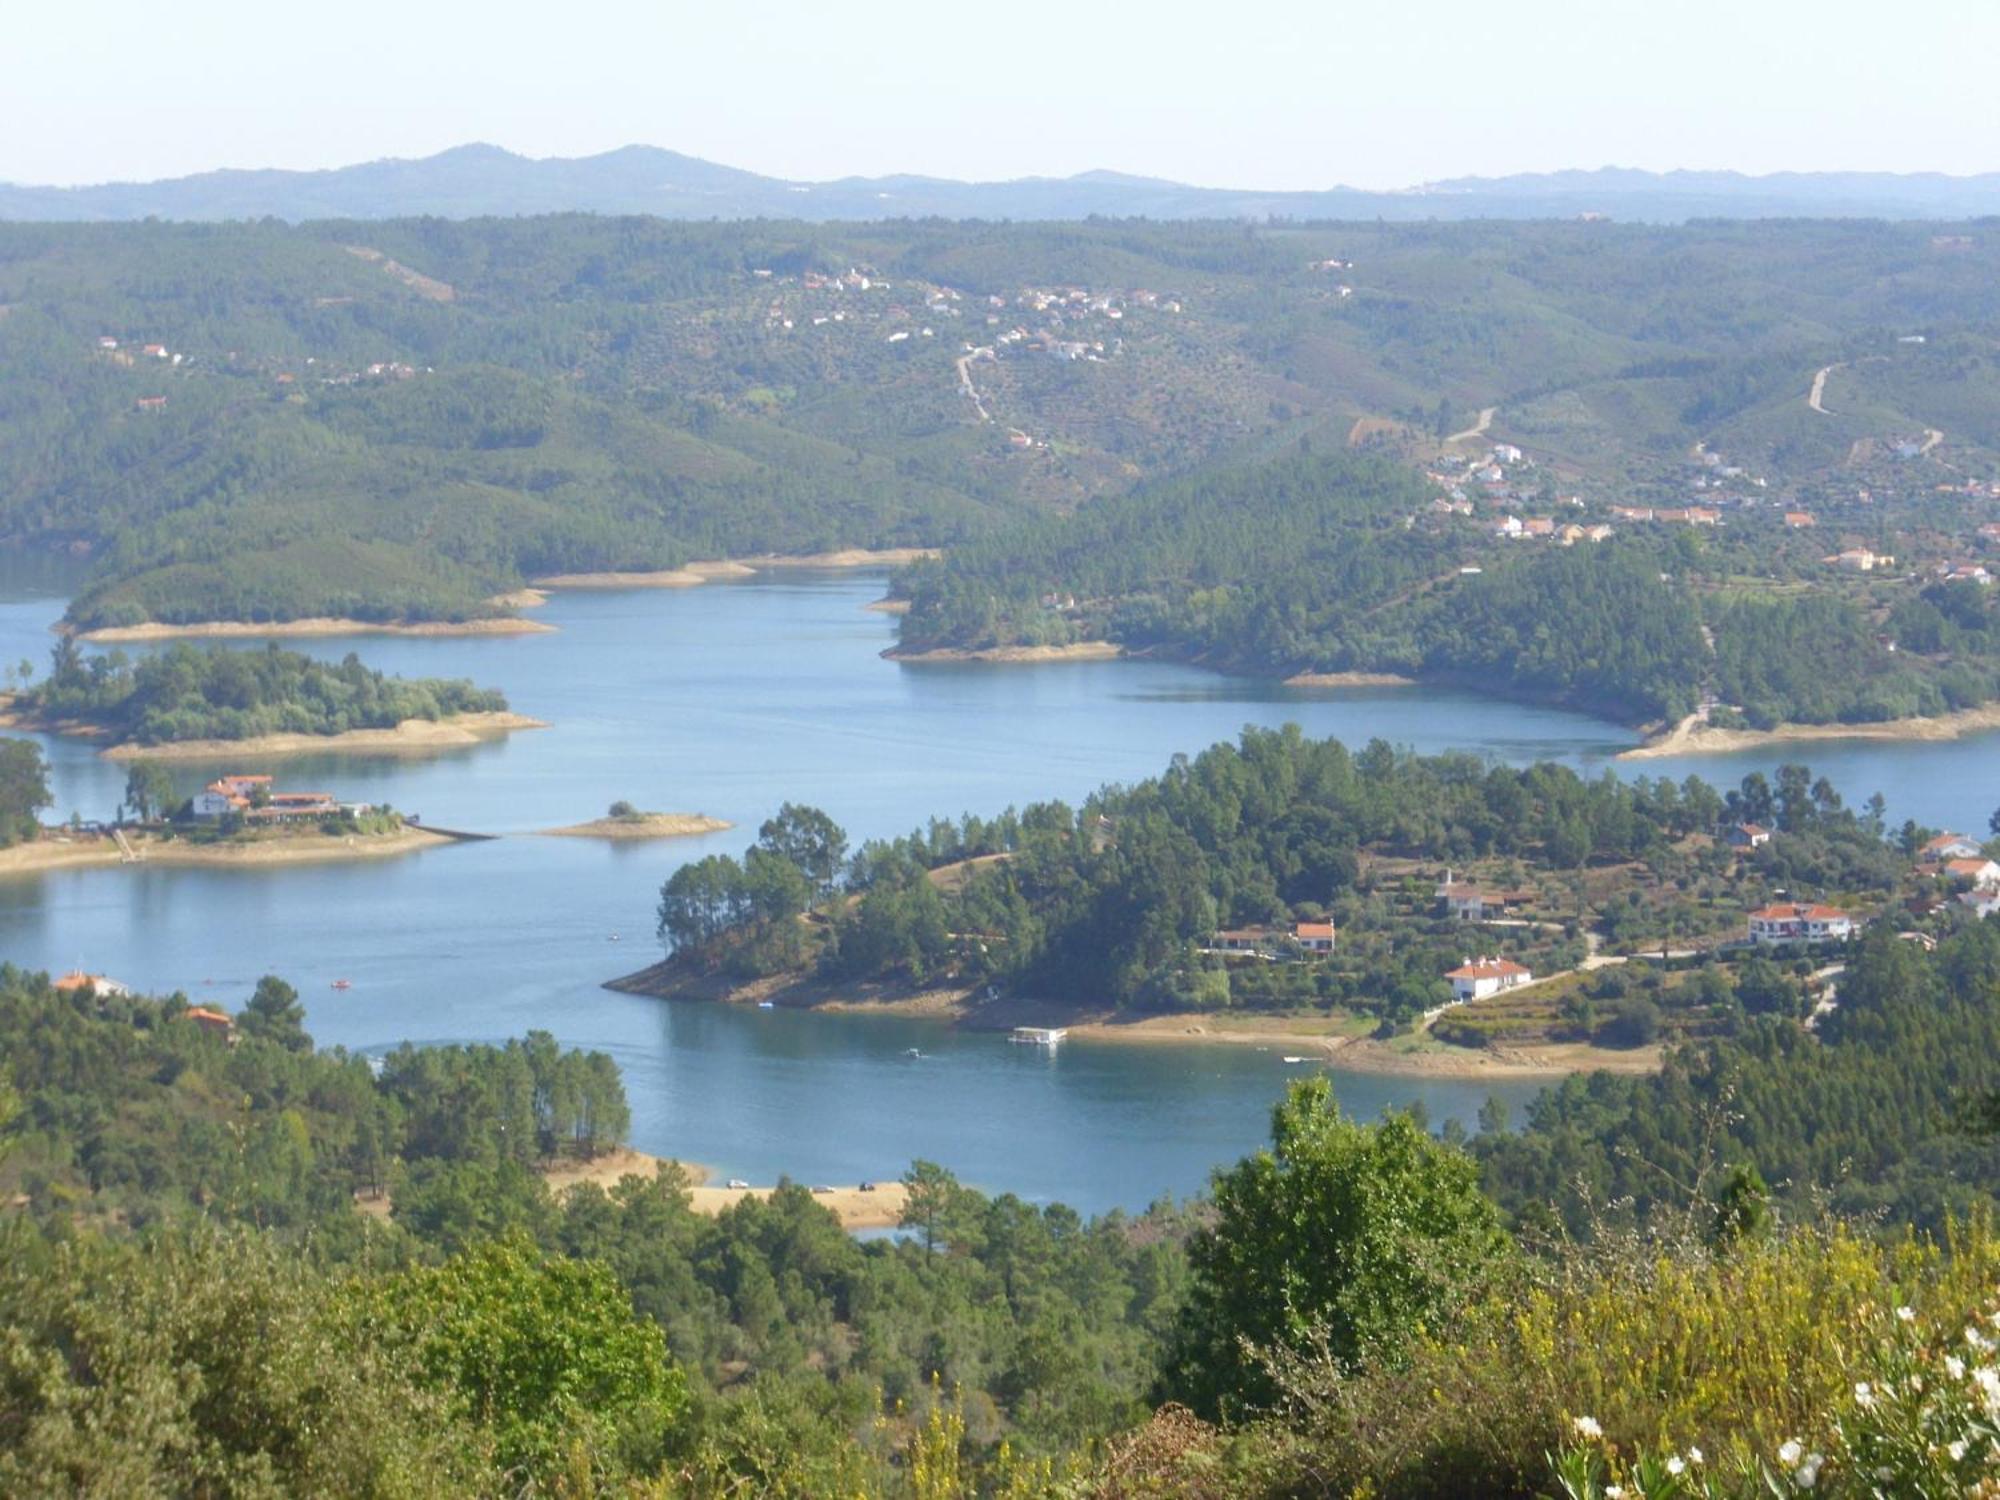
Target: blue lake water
729, 699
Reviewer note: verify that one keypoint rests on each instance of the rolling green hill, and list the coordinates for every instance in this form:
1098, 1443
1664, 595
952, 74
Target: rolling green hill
402, 418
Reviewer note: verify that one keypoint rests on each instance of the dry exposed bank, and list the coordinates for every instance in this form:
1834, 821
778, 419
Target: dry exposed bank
154, 630
1692, 736
411, 737
696, 573
653, 825
880, 1206
877, 1206
1075, 651
1338, 1041
1349, 679
239, 853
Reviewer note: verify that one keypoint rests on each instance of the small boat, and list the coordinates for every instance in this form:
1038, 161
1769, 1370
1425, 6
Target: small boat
767, 1005
737, 1183
343, 984
1298, 1059
614, 937
912, 1052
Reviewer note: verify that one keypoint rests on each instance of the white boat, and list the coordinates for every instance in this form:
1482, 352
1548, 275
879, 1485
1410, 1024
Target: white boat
1039, 1036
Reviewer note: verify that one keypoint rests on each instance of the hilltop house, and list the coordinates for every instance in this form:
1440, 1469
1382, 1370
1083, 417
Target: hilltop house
1800, 922
1980, 873
103, 984
1981, 903
1950, 846
1747, 836
1477, 978
1471, 903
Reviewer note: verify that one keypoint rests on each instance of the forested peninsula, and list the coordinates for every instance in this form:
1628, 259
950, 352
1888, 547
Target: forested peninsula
187, 696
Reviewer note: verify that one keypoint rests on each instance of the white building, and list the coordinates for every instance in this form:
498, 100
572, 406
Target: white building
1800, 922
1477, 978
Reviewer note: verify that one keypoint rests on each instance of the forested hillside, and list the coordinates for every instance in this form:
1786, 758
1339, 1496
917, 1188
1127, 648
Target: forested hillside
191, 1300
401, 418
1311, 563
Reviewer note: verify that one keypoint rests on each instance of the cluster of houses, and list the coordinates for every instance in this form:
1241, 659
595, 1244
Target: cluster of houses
256, 800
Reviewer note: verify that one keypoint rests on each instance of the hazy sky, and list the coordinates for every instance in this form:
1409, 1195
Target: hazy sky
1252, 94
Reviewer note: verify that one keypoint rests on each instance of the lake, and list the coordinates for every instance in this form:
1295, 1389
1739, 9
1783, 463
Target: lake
729, 699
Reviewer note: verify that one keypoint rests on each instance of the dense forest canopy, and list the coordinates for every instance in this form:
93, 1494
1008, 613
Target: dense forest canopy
222, 693
401, 418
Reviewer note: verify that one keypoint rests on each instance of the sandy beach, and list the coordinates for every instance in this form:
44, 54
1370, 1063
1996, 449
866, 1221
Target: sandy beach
411, 737
652, 825
1075, 651
888, 606
1693, 737
220, 630
280, 849
879, 1207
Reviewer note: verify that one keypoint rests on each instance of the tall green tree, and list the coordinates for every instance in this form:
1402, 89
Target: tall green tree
24, 789
1350, 1237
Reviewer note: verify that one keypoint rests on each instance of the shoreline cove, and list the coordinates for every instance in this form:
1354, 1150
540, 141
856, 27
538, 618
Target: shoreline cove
1336, 1041
1690, 737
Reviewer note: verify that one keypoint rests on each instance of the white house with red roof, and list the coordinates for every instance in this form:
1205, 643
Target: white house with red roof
1477, 978
1314, 937
1800, 922
1950, 846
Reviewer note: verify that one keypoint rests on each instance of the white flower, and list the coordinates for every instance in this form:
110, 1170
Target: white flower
1789, 1451
1954, 1367
1916, 1382
1676, 1466
1977, 1339
1864, 1396
1885, 1473
1694, 1455
1808, 1472
1614, 1492
1956, 1450
1587, 1427
1906, 1315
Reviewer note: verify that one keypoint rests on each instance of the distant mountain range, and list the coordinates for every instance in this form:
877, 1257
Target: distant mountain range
478, 180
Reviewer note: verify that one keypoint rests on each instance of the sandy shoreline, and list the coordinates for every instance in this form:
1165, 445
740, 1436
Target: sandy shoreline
1690, 737
645, 826
1075, 651
411, 737
1337, 1041
288, 849
880, 1207
155, 630
696, 573
1349, 679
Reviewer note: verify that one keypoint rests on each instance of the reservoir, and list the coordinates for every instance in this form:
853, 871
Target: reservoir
729, 699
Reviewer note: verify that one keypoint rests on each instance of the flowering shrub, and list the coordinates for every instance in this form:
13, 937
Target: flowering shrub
1923, 1424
